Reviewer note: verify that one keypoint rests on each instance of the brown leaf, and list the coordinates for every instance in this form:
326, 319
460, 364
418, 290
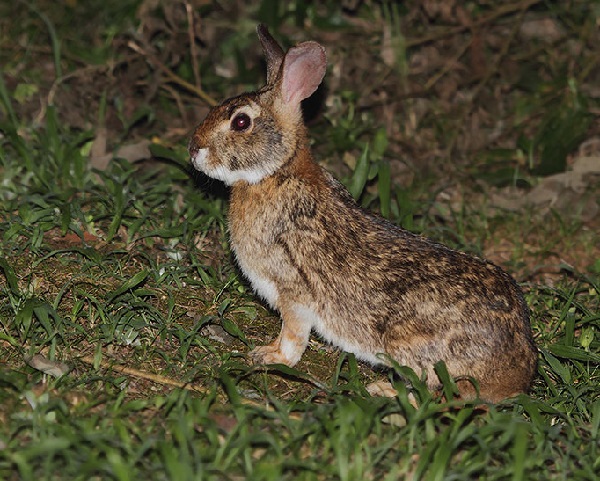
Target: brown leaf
134, 152
53, 368
570, 193
478, 60
99, 158
545, 29
217, 333
587, 165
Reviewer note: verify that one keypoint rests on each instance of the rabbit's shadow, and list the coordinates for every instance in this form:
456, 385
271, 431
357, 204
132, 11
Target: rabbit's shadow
313, 105
211, 187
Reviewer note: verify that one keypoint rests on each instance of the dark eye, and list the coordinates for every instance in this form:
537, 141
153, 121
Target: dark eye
241, 122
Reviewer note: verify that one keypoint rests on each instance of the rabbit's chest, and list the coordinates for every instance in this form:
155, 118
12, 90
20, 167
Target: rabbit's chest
251, 230
252, 224
256, 266
254, 220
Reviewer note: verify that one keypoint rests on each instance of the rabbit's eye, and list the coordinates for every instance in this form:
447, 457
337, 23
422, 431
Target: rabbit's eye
241, 122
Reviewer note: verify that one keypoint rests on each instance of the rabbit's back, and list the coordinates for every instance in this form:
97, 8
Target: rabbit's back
371, 287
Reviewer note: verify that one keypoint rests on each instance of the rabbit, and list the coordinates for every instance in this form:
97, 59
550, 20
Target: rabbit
328, 265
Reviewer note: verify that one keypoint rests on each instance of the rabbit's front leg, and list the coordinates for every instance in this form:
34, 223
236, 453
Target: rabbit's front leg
290, 344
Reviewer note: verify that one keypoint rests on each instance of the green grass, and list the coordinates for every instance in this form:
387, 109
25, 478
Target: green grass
123, 281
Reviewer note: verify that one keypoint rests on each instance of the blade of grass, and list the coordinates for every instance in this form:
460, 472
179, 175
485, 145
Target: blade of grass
55, 42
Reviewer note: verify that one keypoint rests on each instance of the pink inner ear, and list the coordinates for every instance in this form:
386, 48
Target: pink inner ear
303, 71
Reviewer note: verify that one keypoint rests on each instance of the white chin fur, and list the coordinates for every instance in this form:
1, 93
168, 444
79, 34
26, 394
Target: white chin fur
199, 160
250, 176
219, 172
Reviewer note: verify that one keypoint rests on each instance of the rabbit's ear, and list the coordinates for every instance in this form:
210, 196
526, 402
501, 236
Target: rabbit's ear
273, 53
303, 70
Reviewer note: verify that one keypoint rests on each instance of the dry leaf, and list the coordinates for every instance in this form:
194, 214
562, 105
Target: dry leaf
53, 368
566, 192
217, 333
99, 158
545, 29
388, 54
587, 165
134, 152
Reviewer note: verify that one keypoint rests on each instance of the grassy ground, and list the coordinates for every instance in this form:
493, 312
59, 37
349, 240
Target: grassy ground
124, 322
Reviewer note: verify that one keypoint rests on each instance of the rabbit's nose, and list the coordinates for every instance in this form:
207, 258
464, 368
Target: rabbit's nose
193, 146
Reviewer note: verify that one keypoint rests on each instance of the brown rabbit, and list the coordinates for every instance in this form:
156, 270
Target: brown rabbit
327, 265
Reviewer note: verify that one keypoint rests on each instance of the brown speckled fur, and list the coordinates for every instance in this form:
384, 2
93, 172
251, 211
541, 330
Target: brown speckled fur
326, 264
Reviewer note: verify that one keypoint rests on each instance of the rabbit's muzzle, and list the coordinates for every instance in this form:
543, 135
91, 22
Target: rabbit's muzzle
199, 159
193, 147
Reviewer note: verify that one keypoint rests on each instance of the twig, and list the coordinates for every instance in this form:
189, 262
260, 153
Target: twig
156, 378
172, 75
74, 74
493, 70
447, 67
192, 37
499, 12
178, 101
165, 381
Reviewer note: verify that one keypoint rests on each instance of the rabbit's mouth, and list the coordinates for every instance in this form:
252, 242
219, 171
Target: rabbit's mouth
199, 158
202, 161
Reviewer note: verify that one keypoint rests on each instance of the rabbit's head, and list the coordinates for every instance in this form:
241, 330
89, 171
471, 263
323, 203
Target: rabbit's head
249, 137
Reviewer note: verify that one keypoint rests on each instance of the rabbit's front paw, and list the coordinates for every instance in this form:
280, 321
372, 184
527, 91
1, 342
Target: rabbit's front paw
269, 354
